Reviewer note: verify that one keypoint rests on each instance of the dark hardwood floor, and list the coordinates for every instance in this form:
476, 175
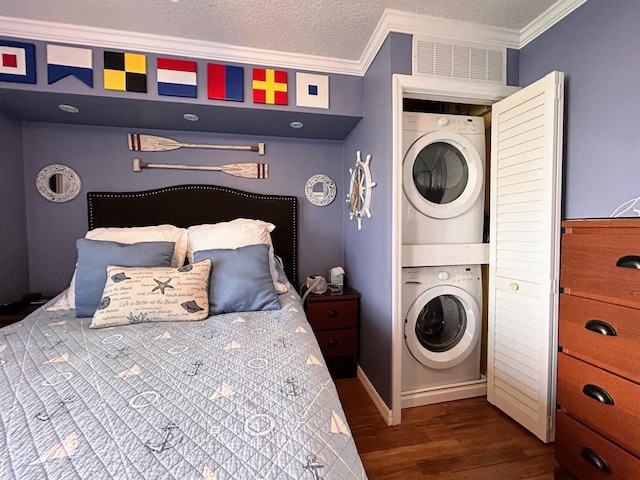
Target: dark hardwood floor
462, 440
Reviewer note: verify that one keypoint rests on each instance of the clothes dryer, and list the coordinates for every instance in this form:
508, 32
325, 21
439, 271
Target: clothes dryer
442, 308
443, 179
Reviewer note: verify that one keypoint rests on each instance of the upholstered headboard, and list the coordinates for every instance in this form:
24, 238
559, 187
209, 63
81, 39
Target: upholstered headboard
187, 205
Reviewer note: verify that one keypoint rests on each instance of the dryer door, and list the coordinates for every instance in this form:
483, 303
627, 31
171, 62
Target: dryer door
442, 174
442, 326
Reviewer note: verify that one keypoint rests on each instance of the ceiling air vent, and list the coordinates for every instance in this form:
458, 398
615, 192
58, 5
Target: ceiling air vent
436, 57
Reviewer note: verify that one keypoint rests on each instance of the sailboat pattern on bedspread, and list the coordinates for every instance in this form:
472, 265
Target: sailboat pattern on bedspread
236, 396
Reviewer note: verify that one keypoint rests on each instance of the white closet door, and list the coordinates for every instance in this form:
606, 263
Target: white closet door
526, 179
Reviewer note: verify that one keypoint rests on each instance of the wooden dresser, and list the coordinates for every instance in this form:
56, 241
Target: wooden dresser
598, 417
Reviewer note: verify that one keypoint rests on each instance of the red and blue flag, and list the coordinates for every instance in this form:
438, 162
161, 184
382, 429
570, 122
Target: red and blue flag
225, 82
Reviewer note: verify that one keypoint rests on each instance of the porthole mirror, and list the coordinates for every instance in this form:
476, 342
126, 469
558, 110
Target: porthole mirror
320, 190
58, 183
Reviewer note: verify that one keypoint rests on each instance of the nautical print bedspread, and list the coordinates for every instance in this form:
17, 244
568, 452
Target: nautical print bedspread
237, 396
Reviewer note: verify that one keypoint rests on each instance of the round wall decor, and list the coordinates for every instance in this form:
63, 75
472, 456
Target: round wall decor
58, 183
320, 190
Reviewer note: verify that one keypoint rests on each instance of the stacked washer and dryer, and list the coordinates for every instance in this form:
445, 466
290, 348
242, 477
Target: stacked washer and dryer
442, 235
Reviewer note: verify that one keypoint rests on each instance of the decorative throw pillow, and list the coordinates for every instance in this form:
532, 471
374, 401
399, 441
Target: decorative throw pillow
240, 279
94, 256
234, 234
154, 294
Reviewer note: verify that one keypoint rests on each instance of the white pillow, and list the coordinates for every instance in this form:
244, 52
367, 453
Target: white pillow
236, 233
156, 233
129, 235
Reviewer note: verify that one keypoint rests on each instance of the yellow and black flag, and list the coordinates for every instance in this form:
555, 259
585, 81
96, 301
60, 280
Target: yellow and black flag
125, 71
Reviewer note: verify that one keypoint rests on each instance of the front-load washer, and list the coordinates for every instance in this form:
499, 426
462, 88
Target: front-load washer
443, 172
442, 308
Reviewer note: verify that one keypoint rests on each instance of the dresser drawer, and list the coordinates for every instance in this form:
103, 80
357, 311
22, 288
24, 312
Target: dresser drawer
580, 450
589, 258
338, 343
584, 392
334, 314
619, 353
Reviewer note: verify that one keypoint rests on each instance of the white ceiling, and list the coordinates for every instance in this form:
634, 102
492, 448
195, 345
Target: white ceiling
339, 29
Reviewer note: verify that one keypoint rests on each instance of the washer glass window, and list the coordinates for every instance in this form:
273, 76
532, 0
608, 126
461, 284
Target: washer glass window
441, 323
440, 173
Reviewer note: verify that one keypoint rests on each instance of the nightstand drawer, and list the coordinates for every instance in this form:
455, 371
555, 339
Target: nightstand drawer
601, 333
601, 400
589, 455
338, 343
333, 314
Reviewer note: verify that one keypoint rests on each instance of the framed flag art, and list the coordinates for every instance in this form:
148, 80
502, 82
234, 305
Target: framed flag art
17, 62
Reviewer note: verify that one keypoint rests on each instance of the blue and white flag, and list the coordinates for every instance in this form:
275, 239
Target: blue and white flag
17, 62
312, 90
69, 61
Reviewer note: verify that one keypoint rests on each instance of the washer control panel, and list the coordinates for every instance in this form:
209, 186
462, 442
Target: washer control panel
456, 275
461, 124
445, 275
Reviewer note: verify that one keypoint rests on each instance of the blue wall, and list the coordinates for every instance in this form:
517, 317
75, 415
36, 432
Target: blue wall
368, 251
598, 47
14, 279
101, 158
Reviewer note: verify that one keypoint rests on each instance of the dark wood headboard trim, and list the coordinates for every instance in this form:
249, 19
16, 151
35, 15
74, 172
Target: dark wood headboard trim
187, 205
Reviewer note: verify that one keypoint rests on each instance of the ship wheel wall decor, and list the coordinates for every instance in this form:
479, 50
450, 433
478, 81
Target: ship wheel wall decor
360, 185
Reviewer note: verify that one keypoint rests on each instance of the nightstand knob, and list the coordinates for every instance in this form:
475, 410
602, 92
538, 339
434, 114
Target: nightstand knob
332, 313
332, 342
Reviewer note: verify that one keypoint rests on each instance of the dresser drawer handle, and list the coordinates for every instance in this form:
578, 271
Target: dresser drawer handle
629, 261
603, 328
332, 342
332, 313
595, 460
597, 393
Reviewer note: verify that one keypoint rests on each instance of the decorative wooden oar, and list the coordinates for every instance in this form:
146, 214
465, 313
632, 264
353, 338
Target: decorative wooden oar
246, 170
153, 143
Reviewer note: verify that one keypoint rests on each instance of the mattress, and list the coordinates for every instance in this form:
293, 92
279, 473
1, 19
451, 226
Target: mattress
241, 395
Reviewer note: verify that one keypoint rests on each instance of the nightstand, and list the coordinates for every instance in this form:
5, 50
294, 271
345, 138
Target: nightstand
334, 319
16, 311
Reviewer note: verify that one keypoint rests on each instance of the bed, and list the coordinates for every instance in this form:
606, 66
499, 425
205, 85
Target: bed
234, 395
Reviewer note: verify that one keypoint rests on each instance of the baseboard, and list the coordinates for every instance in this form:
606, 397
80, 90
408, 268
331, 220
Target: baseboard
375, 398
448, 393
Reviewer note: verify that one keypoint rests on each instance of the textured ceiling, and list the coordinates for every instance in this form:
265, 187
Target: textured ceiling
325, 28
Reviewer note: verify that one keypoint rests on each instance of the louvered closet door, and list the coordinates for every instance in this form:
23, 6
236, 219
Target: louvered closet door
526, 169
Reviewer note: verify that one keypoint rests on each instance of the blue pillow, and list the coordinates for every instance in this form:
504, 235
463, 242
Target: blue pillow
94, 256
240, 279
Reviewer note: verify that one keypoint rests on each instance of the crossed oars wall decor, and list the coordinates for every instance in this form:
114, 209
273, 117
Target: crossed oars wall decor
153, 143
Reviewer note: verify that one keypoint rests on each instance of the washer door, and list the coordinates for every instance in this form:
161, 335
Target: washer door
442, 326
442, 174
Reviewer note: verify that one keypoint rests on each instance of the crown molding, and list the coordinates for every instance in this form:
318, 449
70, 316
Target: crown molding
391, 21
548, 19
176, 46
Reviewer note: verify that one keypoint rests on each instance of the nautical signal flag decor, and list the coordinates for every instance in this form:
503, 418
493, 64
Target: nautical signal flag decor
125, 71
69, 61
17, 62
225, 82
177, 78
312, 90
269, 86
